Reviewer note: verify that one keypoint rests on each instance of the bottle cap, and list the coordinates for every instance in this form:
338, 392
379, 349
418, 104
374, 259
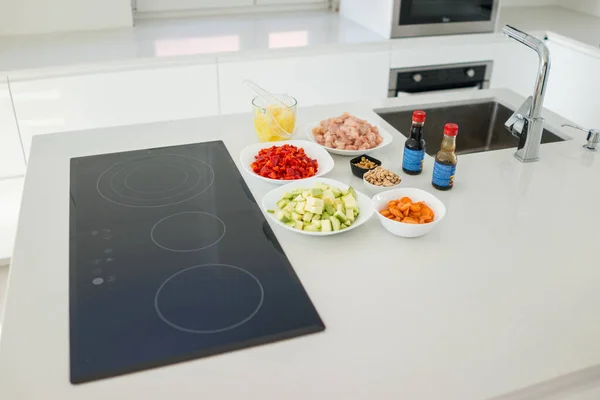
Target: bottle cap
419, 116
451, 130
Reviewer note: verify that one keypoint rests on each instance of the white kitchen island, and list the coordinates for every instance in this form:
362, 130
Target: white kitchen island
502, 296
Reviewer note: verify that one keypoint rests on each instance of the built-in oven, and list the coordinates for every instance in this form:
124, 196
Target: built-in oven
443, 17
437, 78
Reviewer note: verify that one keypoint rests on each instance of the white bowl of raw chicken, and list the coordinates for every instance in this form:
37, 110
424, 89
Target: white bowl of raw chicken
361, 136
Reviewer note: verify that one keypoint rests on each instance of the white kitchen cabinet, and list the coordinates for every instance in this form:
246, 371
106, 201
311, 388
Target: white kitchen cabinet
11, 191
116, 98
429, 51
12, 162
264, 2
171, 5
573, 86
312, 78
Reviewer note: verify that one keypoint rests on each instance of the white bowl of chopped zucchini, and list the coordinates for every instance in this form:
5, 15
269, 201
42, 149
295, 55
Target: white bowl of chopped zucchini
318, 207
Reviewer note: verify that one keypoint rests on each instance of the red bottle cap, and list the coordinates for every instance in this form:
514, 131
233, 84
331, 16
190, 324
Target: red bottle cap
419, 116
451, 130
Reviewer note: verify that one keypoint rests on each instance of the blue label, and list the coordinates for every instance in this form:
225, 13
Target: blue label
413, 160
443, 175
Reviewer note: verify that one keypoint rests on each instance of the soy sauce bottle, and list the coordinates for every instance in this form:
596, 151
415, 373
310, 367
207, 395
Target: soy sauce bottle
414, 148
444, 167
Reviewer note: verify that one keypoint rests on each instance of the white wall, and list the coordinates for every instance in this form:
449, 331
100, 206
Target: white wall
528, 3
43, 16
586, 6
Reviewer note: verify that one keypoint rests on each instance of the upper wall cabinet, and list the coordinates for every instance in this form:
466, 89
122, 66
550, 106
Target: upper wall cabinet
573, 85
12, 162
311, 79
116, 98
261, 2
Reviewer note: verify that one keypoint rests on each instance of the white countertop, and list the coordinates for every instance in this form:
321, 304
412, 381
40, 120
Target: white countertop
501, 296
194, 40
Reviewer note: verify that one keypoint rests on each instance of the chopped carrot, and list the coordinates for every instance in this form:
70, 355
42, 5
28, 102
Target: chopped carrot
404, 210
386, 213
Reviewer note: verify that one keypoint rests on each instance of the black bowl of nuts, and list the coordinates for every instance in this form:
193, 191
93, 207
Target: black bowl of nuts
362, 164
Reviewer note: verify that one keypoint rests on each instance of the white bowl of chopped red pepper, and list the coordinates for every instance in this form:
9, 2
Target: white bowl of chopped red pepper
287, 161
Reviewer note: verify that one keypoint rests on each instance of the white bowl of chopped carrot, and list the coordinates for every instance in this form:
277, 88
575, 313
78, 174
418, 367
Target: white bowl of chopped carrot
408, 212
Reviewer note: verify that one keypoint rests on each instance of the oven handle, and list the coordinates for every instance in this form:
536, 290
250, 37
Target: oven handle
458, 90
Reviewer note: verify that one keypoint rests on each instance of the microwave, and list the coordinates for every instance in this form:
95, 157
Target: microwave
410, 18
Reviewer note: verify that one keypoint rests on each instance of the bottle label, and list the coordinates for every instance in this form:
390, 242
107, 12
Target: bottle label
443, 175
413, 159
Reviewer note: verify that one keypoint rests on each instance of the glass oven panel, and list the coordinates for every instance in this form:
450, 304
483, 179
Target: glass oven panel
419, 12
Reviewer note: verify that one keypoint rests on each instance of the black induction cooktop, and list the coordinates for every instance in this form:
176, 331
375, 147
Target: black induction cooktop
171, 259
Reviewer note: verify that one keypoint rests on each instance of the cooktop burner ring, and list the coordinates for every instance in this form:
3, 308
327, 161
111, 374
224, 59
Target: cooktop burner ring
242, 275
221, 225
128, 186
114, 176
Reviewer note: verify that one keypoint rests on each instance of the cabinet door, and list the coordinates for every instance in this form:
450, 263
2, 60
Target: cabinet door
262, 2
12, 162
117, 98
312, 79
172, 5
573, 84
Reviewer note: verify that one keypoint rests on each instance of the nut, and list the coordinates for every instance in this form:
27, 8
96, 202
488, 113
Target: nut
365, 163
382, 177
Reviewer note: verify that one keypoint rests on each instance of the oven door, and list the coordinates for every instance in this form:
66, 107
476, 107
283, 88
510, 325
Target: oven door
443, 17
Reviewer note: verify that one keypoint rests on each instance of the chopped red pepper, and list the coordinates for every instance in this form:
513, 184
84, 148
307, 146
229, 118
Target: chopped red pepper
284, 162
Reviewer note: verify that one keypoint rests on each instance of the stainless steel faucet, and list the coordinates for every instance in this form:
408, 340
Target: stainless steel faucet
527, 123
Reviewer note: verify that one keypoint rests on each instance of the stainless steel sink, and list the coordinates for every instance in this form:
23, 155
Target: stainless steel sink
481, 126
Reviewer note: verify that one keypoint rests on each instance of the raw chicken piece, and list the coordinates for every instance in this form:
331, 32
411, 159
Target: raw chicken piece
347, 132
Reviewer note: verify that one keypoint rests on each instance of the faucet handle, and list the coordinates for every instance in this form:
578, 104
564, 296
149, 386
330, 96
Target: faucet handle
593, 137
516, 123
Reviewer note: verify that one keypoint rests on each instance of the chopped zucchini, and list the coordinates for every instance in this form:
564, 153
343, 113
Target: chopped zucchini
330, 210
315, 202
340, 216
316, 192
290, 206
315, 210
282, 203
300, 207
283, 216
307, 217
349, 215
349, 201
318, 209
335, 223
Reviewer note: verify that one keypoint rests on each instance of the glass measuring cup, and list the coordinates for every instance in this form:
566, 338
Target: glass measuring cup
274, 122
